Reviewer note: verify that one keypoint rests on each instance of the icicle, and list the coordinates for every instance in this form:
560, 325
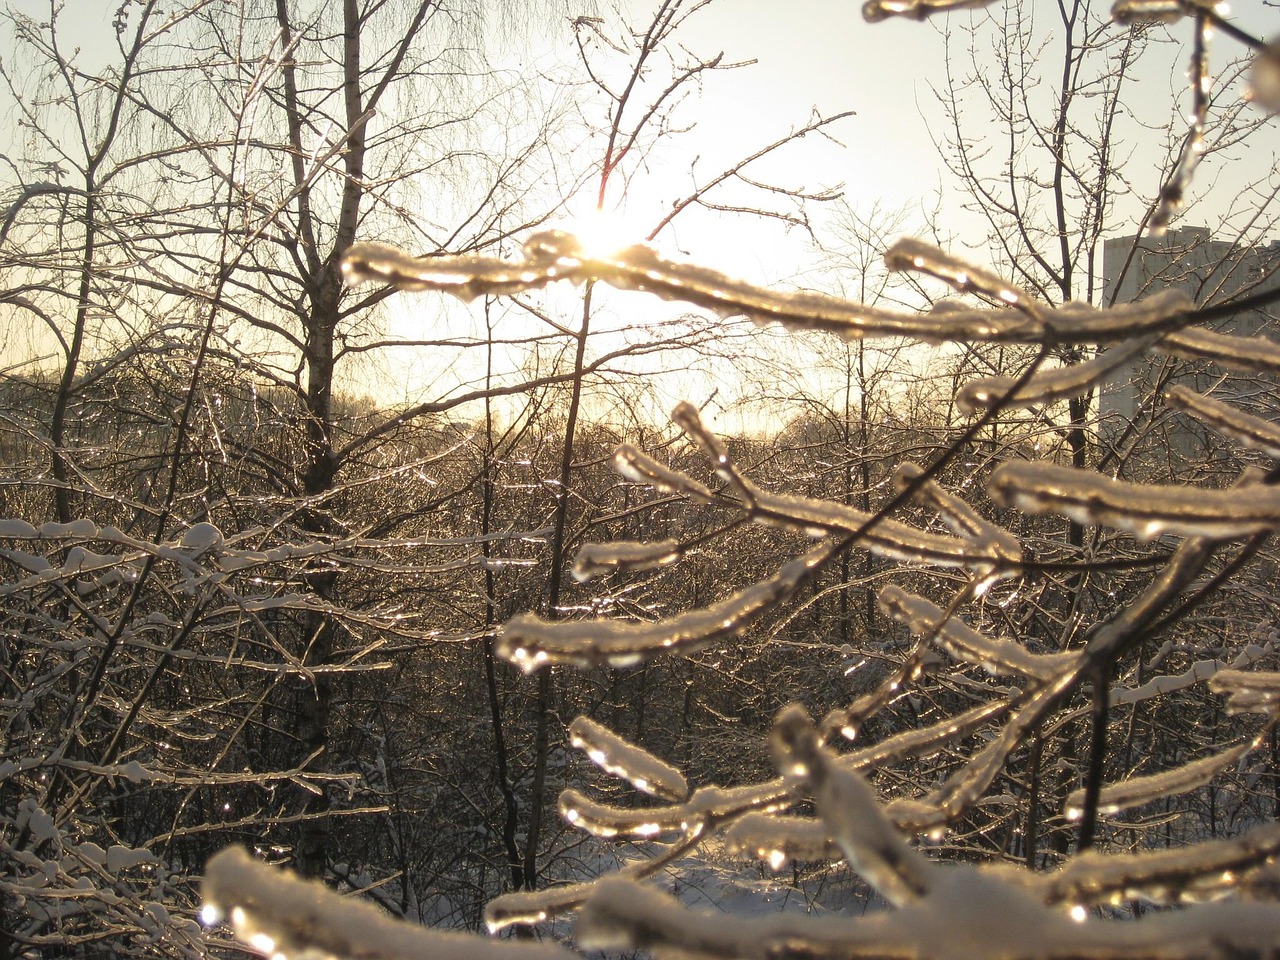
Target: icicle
596, 559
634, 764
1068, 381
1253, 432
1249, 691
286, 918
996, 656
849, 808
1135, 791
1147, 511
530, 642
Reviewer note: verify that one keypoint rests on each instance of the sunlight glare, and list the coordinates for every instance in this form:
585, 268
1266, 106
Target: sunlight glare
603, 233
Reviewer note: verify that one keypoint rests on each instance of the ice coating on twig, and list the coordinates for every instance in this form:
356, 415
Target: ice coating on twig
707, 804
1257, 354
776, 838
886, 538
971, 913
686, 417
554, 255
624, 759
1145, 510
848, 806
1200, 871
910, 254
1048, 386
530, 642
282, 917
1136, 791
639, 467
962, 519
597, 559
1230, 421
1173, 194
1249, 691
1264, 78
1155, 11
534, 906
873, 11
997, 656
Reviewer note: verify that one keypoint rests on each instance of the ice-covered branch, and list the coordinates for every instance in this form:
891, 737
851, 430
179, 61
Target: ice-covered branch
554, 255
531, 642
1136, 791
623, 759
1145, 510
850, 810
285, 918
1253, 432
1249, 691
995, 655
1071, 380
970, 914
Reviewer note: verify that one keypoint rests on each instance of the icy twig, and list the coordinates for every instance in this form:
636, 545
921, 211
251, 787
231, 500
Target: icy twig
708, 805
848, 806
1255, 354
997, 656
639, 467
912, 255
1249, 691
1136, 791
597, 559
530, 642
623, 759
554, 255
282, 917
1250, 431
873, 11
1060, 384
959, 517
685, 416
884, 537
1204, 870
1145, 510
775, 839
536, 906
971, 914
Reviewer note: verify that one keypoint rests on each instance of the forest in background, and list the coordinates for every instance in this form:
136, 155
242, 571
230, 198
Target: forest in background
242, 605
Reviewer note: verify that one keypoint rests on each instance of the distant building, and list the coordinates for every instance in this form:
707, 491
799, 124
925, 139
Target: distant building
1209, 271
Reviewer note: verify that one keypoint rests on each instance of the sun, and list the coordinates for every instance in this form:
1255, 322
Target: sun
603, 233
